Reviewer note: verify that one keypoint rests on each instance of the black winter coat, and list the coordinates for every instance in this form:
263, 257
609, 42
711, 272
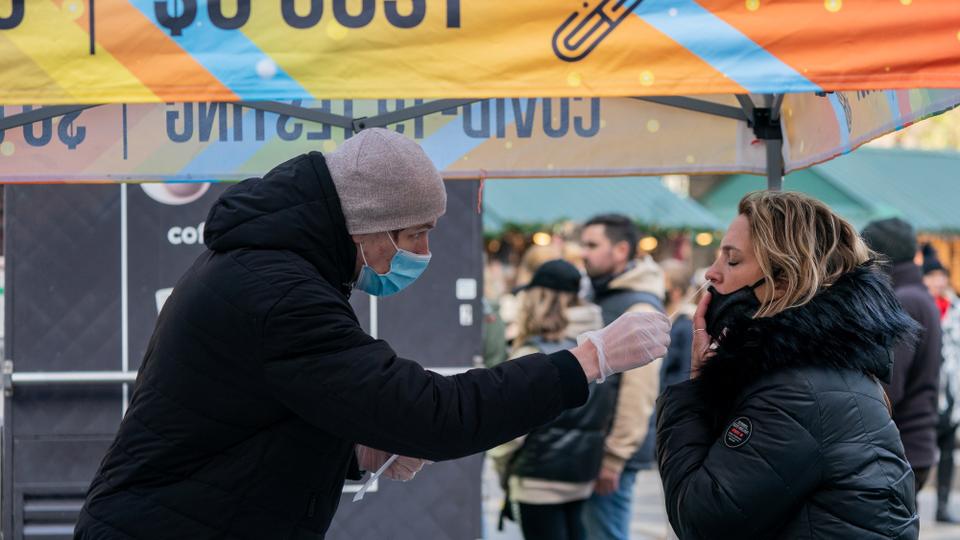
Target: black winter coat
785, 434
916, 369
259, 381
570, 448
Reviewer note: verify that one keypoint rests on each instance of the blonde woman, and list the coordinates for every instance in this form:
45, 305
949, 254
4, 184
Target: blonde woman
550, 472
783, 430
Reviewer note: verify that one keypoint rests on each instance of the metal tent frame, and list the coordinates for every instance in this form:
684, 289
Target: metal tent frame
764, 119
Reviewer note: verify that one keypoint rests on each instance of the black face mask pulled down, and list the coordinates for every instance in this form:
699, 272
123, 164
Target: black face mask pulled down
724, 309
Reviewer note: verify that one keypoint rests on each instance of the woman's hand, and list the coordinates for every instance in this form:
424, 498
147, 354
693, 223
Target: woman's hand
702, 341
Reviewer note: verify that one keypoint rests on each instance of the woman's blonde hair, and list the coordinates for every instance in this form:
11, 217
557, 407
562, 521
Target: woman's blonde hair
543, 312
802, 247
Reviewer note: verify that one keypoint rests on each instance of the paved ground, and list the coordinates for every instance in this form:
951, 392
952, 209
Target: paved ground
650, 521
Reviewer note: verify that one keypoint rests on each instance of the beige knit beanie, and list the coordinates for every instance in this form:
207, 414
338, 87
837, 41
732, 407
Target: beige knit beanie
385, 182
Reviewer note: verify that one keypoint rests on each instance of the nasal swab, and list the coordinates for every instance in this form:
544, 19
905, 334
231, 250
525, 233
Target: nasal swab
369, 483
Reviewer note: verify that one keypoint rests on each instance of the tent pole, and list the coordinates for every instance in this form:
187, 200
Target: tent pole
765, 122
697, 105
358, 124
409, 113
38, 115
300, 113
746, 103
774, 164
286, 109
774, 145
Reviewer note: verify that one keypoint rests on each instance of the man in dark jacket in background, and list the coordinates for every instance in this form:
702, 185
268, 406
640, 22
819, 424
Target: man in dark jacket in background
260, 393
916, 368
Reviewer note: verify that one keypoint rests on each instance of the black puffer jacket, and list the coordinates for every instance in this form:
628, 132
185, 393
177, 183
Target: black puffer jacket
570, 448
786, 434
258, 382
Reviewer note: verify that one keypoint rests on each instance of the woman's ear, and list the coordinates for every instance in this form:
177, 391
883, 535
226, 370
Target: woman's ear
779, 285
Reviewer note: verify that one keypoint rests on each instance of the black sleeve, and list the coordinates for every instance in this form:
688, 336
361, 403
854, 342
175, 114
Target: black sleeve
928, 359
715, 488
320, 364
916, 366
353, 469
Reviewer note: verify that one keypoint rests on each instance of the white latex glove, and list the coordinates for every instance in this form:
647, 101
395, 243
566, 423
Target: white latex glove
403, 468
633, 340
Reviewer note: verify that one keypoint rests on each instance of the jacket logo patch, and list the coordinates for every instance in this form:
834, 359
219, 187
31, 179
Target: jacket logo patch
738, 432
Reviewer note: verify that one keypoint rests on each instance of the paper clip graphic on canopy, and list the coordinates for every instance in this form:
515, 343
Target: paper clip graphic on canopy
574, 40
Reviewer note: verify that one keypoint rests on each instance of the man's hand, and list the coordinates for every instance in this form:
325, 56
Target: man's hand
607, 483
635, 339
403, 468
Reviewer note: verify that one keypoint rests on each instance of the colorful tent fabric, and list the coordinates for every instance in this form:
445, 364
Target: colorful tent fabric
779, 85
132, 51
921, 187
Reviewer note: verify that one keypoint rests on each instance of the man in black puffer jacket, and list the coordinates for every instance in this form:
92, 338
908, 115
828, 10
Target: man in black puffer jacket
782, 436
259, 391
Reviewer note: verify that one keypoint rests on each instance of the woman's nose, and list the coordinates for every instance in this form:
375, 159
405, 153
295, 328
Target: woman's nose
712, 275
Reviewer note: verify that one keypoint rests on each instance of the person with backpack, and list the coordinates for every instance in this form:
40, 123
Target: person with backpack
550, 473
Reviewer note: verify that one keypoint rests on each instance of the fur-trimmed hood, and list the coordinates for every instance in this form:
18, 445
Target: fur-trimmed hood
852, 324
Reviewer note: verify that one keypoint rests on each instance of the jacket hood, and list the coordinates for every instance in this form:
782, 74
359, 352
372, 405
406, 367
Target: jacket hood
643, 275
294, 207
852, 324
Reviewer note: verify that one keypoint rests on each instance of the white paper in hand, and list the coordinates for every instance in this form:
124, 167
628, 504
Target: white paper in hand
372, 479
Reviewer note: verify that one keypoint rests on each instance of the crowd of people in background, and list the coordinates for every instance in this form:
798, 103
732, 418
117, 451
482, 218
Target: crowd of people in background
561, 292
574, 478
937, 279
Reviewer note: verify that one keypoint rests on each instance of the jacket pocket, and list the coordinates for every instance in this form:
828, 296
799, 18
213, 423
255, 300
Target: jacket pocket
902, 507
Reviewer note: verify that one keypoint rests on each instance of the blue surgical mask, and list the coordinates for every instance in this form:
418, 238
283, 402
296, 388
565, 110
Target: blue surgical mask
405, 268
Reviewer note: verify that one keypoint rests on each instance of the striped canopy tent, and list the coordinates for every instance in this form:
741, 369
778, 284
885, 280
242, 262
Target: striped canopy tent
209, 90
220, 90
